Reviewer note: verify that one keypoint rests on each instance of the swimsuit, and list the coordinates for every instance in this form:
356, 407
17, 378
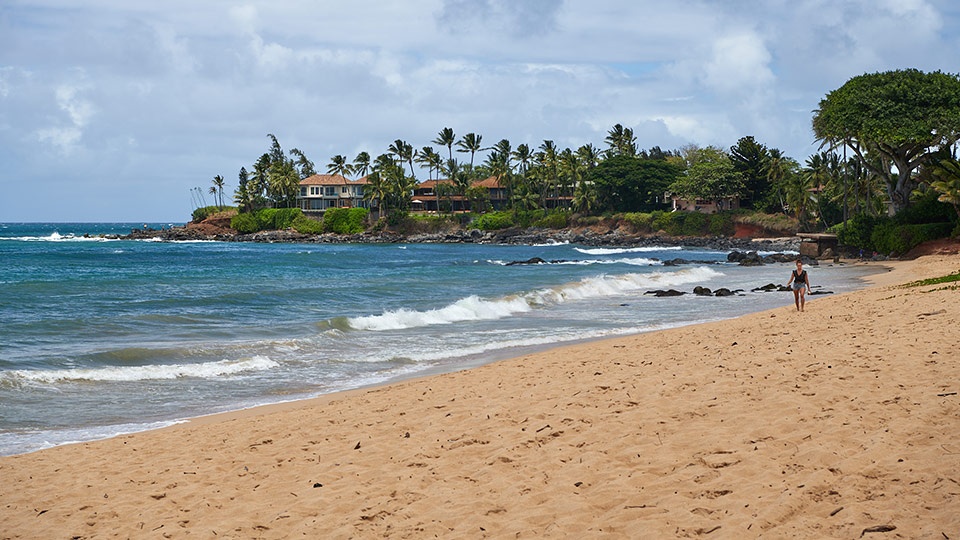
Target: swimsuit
799, 282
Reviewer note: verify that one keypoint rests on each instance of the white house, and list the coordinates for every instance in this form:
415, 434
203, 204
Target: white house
322, 191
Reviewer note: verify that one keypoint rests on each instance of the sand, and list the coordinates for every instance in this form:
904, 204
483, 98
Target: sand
839, 422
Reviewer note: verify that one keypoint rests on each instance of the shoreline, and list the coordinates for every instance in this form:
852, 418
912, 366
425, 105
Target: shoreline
488, 357
622, 435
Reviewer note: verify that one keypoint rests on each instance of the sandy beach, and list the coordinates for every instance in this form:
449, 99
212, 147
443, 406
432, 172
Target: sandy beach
839, 422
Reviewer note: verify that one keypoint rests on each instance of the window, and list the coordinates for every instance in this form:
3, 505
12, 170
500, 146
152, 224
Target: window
330, 191
343, 189
303, 192
314, 190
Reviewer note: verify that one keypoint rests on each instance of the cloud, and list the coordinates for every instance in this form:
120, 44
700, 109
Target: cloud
171, 94
67, 134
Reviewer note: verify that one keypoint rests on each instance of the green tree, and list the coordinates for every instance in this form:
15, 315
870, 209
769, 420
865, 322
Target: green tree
217, 190
339, 165
361, 164
902, 115
947, 183
304, 165
631, 184
750, 159
710, 175
404, 152
470, 143
446, 138
621, 141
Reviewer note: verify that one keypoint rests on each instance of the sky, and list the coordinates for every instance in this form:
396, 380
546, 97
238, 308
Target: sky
115, 110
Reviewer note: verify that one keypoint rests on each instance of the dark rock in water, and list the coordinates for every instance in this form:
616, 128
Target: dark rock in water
702, 291
821, 292
771, 287
670, 292
533, 260
678, 261
723, 291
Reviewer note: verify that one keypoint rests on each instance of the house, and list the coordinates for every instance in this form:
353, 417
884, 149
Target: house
322, 191
705, 206
425, 195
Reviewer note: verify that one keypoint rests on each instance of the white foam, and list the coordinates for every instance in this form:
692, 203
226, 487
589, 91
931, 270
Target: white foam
618, 251
143, 373
57, 237
474, 308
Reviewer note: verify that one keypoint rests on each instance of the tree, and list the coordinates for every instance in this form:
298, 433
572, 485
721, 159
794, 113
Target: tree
749, 158
902, 115
217, 190
710, 175
631, 184
446, 138
404, 152
361, 164
303, 164
621, 141
339, 165
947, 174
470, 143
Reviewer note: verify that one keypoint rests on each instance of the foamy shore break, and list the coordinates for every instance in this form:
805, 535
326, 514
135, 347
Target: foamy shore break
840, 422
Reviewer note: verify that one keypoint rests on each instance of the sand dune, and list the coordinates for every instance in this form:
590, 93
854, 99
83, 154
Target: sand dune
840, 422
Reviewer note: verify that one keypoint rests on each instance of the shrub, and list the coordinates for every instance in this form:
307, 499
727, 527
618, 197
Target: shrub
348, 220
304, 225
858, 231
244, 223
640, 223
721, 224
694, 224
204, 212
894, 239
494, 221
553, 220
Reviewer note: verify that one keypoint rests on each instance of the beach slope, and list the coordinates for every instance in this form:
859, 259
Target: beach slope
840, 422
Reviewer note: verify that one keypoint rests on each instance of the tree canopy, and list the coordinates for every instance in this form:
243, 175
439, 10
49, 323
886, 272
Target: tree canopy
625, 183
892, 121
710, 174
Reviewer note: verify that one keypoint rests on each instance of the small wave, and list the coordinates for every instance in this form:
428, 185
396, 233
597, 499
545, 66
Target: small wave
57, 237
552, 243
143, 373
619, 251
474, 308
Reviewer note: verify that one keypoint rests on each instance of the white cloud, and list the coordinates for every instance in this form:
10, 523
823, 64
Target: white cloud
66, 136
174, 93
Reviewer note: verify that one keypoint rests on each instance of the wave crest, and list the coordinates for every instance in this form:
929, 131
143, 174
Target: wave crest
143, 373
475, 308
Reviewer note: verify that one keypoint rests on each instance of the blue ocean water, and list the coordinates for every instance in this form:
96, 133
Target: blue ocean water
100, 337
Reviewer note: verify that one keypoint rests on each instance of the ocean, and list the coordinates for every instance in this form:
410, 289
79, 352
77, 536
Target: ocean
101, 337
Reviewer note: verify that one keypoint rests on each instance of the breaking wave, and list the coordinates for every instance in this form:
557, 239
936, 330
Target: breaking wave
142, 373
475, 308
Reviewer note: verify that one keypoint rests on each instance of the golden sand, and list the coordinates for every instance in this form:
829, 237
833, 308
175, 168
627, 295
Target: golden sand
839, 422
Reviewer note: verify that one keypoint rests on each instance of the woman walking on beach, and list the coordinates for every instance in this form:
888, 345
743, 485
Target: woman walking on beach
800, 284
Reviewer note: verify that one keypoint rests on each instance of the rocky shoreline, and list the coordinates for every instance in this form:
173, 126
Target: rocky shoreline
531, 236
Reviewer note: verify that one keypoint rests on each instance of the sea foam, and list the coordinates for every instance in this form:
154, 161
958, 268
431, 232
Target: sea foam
475, 308
142, 373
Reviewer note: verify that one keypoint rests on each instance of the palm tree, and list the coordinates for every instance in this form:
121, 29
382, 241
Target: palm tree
621, 141
947, 173
548, 165
339, 165
446, 138
470, 143
404, 152
425, 158
524, 158
361, 164
217, 189
305, 165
